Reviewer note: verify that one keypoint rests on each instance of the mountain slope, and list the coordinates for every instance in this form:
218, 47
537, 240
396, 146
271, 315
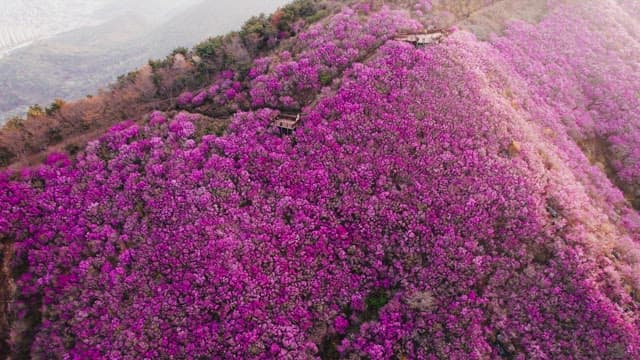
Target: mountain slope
462, 199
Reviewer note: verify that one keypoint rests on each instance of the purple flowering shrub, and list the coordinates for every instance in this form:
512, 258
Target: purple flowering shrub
225, 95
322, 52
216, 92
185, 98
288, 81
199, 99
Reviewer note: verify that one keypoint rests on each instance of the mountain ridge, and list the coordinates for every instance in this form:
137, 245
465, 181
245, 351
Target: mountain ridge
471, 197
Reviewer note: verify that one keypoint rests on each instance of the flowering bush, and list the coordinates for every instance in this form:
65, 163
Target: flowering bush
199, 99
329, 48
185, 98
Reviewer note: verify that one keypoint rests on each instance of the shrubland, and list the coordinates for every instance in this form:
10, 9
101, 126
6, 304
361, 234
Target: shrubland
436, 201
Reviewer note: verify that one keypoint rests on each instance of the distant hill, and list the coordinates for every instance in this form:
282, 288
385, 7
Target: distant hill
76, 63
23, 21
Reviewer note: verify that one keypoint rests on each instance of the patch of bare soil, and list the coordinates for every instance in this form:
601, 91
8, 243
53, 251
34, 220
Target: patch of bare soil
484, 17
599, 153
493, 19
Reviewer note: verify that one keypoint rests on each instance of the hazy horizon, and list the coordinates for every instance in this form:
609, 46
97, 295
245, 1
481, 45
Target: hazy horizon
24, 22
70, 48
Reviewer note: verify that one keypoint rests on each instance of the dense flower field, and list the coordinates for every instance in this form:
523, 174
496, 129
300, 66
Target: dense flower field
599, 104
436, 202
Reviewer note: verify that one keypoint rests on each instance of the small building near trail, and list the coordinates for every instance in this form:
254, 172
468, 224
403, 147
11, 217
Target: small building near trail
286, 123
422, 38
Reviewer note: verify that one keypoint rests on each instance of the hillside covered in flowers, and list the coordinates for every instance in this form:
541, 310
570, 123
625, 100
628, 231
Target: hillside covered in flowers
475, 197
